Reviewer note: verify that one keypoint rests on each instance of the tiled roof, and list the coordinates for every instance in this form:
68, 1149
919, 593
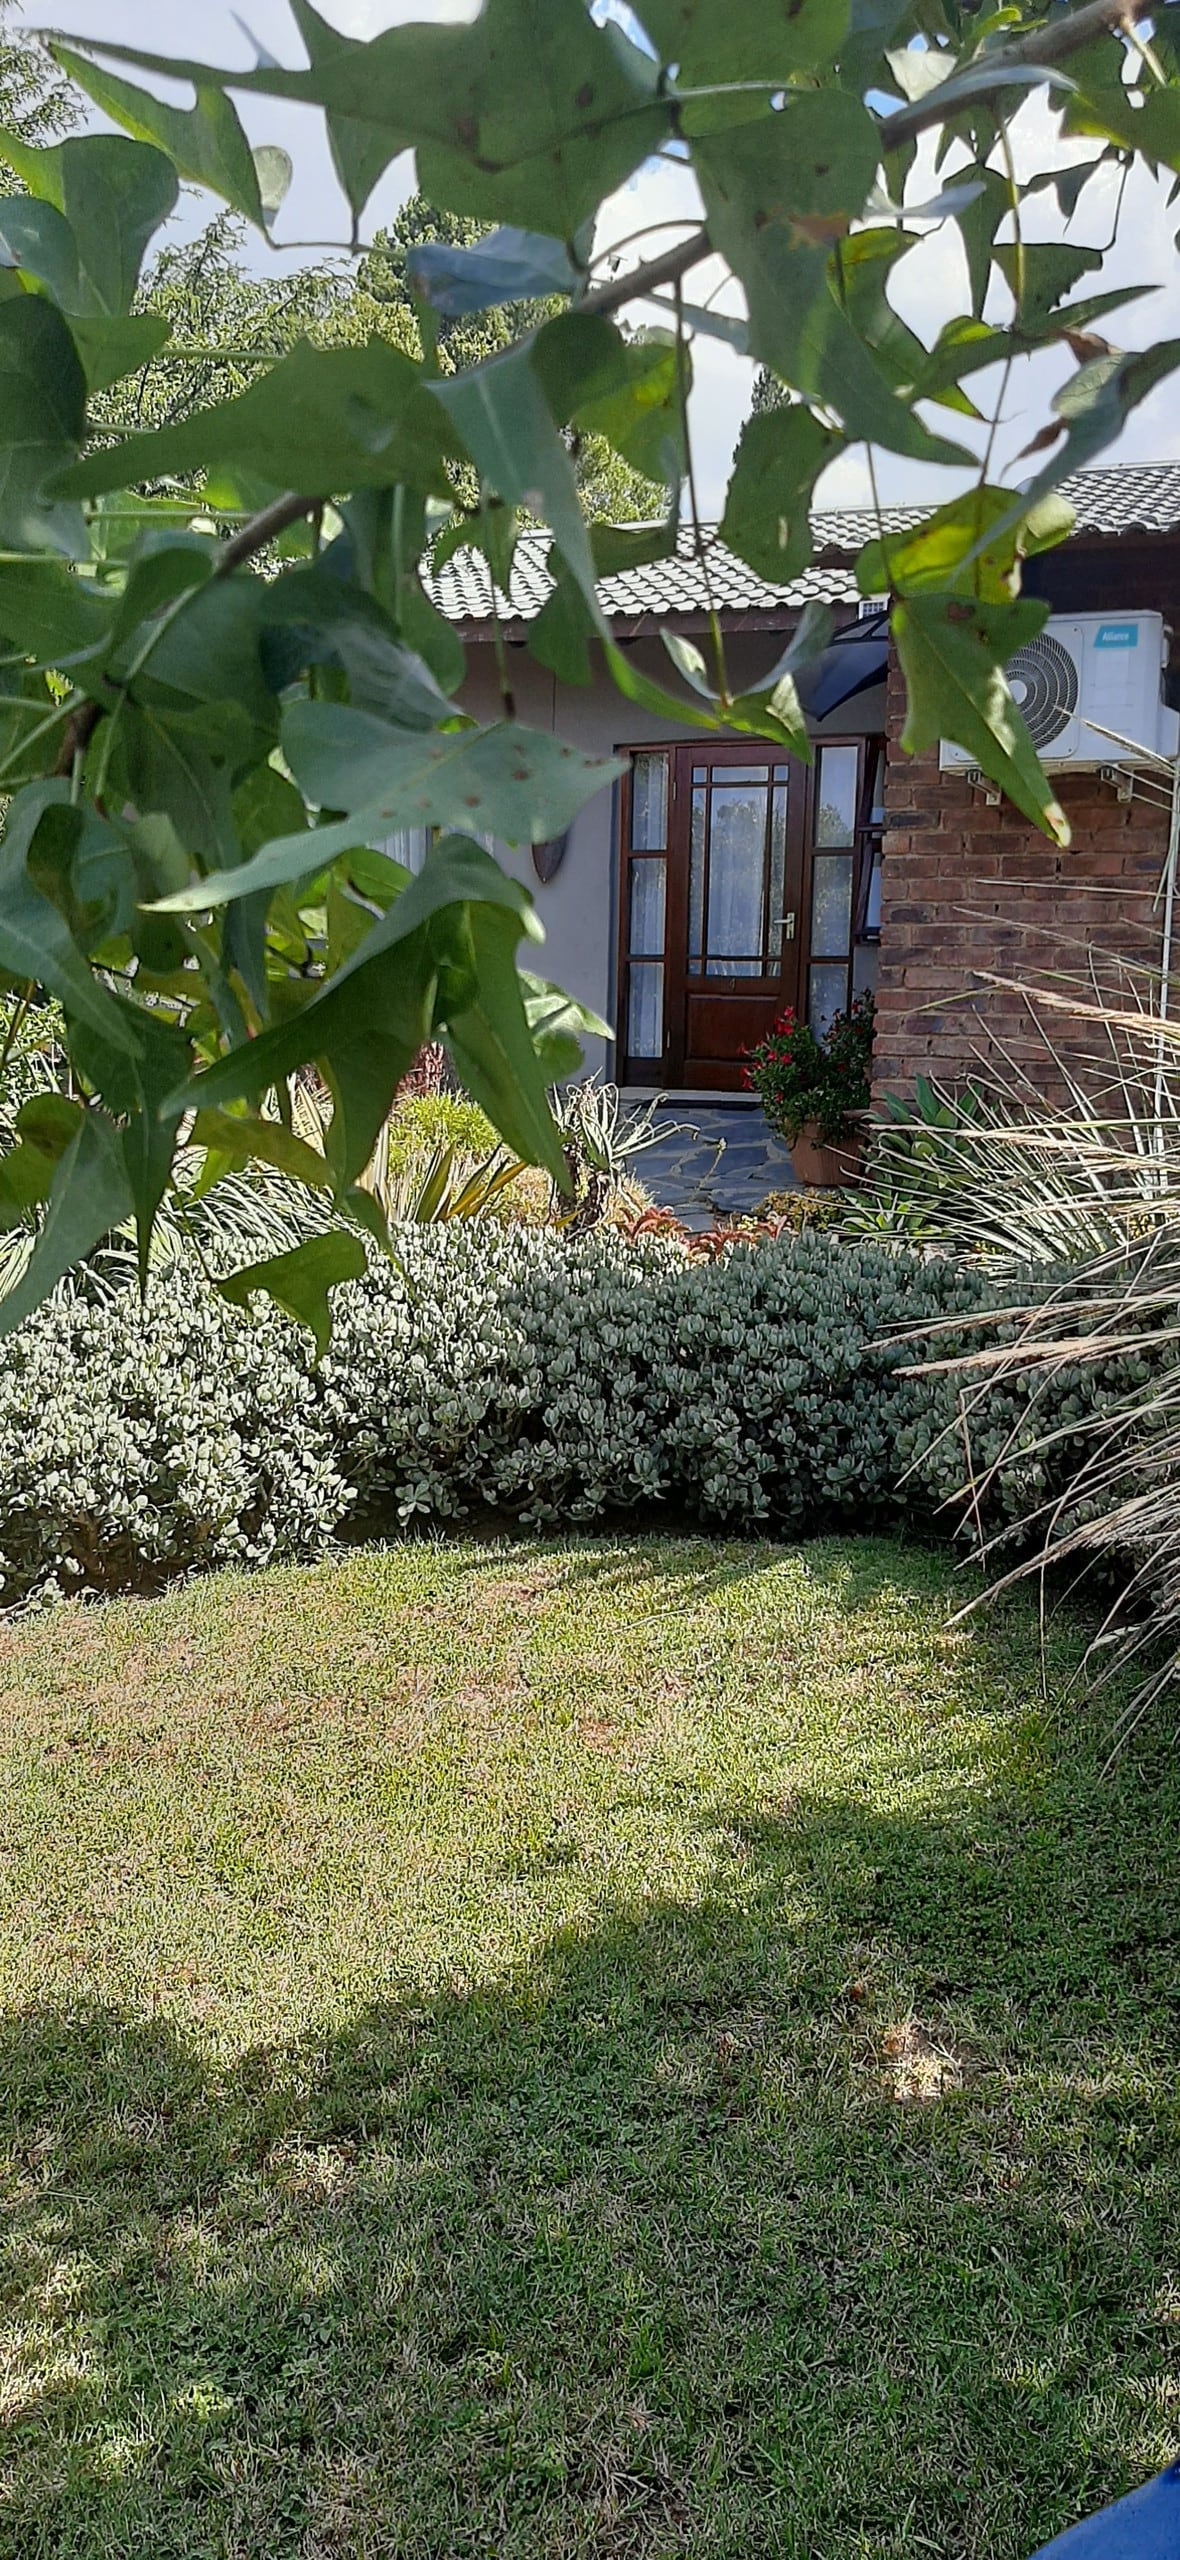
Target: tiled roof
1140, 498
463, 588
1144, 499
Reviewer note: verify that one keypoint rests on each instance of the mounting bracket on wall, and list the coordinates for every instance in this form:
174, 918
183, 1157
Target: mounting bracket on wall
974, 774
1156, 788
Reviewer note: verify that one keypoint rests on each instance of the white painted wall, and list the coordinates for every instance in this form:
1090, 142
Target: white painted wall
579, 909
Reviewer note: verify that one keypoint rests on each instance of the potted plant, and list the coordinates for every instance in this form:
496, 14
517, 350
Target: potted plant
815, 1092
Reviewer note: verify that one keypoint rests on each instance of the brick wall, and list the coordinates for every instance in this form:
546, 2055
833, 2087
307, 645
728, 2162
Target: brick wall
969, 889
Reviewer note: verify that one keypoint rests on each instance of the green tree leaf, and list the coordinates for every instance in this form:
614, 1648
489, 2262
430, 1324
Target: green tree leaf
767, 519
244, 1139
37, 239
206, 143
1101, 103
491, 1041
1039, 273
360, 149
89, 1196
560, 634
112, 346
509, 266
113, 196
748, 40
363, 1035
504, 418
1096, 402
351, 627
558, 1023
971, 546
626, 389
136, 1087
325, 420
300, 1282
521, 784
777, 192
978, 223
953, 652
45, 1126
59, 620
35, 941
42, 422
530, 115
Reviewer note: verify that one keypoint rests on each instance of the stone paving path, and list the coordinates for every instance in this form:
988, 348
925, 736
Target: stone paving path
721, 1164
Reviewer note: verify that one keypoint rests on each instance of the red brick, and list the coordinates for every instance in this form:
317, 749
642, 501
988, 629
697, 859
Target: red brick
971, 889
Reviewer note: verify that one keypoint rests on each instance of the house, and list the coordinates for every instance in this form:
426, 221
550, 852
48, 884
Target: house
722, 881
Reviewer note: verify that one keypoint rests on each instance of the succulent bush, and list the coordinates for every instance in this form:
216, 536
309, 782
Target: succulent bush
778, 1388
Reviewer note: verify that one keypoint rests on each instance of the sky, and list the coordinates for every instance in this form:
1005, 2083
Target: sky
928, 285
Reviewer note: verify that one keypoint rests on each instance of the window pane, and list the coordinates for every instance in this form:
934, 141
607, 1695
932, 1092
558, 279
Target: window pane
696, 879
873, 901
831, 902
649, 804
648, 883
828, 994
737, 899
645, 1010
876, 791
408, 845
835, 797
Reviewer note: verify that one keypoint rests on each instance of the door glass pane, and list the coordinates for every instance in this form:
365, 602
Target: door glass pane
645, 1010
835, 796
649, 804
648, 883
737, 884
696, 874
778, 864
831, 902
828, 994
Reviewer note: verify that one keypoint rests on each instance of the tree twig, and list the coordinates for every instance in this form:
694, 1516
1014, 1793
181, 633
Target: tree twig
640, 281
1042, 50
265, 527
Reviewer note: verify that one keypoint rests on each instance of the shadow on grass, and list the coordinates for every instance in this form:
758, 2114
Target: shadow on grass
619, 1557
833, 2216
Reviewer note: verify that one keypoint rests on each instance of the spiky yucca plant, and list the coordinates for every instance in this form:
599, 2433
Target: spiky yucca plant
1084, 1200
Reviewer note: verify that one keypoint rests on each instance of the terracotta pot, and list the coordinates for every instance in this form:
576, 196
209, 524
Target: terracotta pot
826, 1167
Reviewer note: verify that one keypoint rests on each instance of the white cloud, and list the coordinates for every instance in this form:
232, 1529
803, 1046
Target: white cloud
372, 17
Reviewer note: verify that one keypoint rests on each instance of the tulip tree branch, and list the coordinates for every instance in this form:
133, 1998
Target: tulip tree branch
1042, 50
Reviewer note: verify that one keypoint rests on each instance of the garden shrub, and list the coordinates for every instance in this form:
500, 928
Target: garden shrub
557, 1381
422, 1123
136, 1443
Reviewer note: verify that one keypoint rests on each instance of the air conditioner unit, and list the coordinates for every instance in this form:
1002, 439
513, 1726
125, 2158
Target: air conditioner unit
1091, 690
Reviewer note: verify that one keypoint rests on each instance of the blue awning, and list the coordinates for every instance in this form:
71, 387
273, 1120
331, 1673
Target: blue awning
856, 659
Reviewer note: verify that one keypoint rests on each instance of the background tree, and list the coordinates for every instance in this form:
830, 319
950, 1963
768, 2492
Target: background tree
35, 101
226, 321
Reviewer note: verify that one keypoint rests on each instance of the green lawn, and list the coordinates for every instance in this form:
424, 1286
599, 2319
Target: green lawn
602, 2049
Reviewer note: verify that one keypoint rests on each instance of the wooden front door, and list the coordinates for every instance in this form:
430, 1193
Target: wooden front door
738, 895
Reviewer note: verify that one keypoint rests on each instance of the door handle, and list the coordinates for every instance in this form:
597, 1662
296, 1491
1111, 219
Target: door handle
788, 925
